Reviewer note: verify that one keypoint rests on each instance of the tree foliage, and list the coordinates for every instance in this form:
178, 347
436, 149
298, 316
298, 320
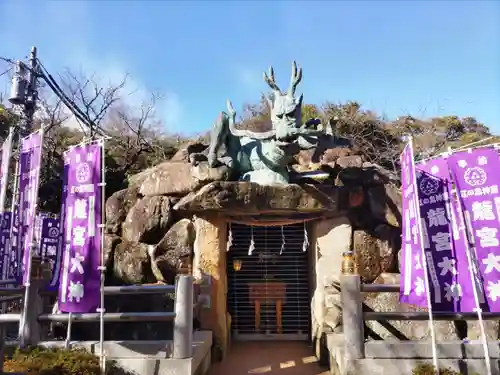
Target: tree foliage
378, 140
135, 138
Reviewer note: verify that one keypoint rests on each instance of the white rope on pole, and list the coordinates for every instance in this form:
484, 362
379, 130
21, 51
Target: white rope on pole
472, 144
102, 267
424, 264
460, 148
473, 271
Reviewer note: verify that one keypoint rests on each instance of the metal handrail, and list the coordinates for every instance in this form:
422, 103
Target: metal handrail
110, 317
127, 289
415, 315
181, 317
424, 315
11, 291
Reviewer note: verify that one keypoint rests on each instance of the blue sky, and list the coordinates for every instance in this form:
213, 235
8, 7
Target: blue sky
425, 58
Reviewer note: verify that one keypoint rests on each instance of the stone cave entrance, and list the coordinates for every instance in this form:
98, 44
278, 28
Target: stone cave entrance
268, 293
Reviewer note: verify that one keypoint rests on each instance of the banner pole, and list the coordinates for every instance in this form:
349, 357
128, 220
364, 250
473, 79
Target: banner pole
6, 164
424, 263
473, 272
13, 209
102, 268
3, 195
29, 241
68, 331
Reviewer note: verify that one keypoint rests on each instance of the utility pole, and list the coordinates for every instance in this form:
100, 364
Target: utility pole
24, 92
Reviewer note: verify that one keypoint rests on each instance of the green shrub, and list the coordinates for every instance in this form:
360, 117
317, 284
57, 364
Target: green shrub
52, 361
427, 369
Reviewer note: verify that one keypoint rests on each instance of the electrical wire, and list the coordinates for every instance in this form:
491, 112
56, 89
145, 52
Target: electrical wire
43, 73
4, 73
70, 104
7, 60
73, 107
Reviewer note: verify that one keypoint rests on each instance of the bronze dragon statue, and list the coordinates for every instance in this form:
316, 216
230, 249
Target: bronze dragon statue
263, 157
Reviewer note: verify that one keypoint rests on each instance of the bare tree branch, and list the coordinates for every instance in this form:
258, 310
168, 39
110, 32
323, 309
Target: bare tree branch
91, 97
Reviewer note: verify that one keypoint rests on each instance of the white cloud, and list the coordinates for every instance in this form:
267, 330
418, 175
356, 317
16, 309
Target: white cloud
250, 79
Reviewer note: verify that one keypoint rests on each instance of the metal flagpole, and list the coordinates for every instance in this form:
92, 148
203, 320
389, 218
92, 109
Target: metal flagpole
3, 194
13, 207
29, 240
68, 331
473, 272
424, 262
102, 268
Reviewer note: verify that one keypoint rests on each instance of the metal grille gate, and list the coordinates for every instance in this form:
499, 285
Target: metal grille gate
268, 291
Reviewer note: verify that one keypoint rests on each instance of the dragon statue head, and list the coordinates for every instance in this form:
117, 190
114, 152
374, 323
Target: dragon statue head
286, 111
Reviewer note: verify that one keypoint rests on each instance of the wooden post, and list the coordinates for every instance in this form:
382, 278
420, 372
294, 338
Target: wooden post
352, 309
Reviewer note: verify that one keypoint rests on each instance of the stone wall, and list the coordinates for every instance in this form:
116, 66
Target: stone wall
329, 239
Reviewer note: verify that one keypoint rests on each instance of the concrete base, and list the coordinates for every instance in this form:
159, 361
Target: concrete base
401, 357
151, 357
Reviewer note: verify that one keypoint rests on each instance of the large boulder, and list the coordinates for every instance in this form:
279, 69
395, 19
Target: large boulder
111, 241
328, 150
182, 155
331, 238
353, 161
247, 198
138, 178
385, 204
372, 255
148, 220
179, 179
118, 206
175, 246
132, 264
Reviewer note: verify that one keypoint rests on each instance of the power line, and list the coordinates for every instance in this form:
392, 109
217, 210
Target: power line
73, 107
69, 103
4, 73
41, 72
7, 60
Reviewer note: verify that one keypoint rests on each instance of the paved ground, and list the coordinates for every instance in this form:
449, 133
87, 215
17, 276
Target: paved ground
269, 358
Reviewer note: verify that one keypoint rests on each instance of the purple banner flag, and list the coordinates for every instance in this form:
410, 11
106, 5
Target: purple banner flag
4, 244
15, 246
50, 248
445, 240
30, 163
79, 287
37, 236
4, 168
477, 178
413, 277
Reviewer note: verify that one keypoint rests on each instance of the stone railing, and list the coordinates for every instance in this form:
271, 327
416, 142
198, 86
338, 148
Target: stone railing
35, 319
354, 314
